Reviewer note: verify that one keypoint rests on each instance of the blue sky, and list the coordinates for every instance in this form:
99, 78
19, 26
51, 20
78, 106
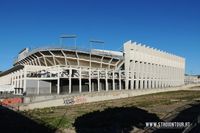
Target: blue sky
169, 25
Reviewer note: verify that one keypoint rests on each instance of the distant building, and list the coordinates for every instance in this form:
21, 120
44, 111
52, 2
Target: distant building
67, 70
192, 79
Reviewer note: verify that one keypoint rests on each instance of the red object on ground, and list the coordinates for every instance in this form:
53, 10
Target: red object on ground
11, 101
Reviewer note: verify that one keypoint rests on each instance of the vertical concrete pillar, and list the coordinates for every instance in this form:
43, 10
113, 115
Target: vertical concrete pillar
90, 59
21, 79
161, 79
17, 75
164, 76
80, 87
166, 82
58, 82
25, 75
16, 80
179, 77
182, 75
157, 79
172, 72
157, 73
137, 75
175, 76
120, 82
113, 78
70, 80
141, 75
132, 74
98, 80
169, 76
90, 90
150, 75
159, 76
58, 86
145, 74
127, 66
12, 78
106, 80
164, 73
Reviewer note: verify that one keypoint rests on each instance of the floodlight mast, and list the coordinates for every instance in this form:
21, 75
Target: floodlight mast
68, 37
92, 41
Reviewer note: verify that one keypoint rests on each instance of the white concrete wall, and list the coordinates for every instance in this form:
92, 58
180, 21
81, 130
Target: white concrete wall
147, 66
5, 80
90, 97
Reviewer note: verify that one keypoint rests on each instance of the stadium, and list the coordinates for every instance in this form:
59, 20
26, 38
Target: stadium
64, 70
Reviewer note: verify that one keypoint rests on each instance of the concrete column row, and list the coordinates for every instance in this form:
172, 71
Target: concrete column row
141, 75
99, 86
148, 75
17, 80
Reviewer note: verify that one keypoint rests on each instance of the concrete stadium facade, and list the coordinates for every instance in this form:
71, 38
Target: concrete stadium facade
66, 71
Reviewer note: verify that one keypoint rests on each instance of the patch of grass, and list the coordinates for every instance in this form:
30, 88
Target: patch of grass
58, 122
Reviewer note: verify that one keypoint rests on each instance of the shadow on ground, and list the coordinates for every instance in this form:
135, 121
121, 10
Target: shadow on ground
114, 120
14, 122
188, 115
